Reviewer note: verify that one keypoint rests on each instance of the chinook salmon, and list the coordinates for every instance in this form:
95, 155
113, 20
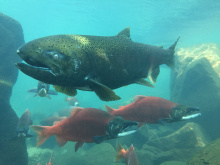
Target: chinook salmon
93, 63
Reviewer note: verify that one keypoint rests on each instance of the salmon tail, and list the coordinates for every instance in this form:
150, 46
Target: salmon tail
110, 110
120, 152
170, 62
42, 133
172, 47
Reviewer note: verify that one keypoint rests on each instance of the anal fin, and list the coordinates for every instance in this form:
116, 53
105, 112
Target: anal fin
144, 82
154, 74
78, 145
66, 90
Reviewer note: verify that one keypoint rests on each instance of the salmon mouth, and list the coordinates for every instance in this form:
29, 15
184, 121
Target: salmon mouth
35, 68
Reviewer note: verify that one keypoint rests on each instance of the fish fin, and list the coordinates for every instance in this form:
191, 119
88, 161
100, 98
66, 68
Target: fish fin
52, 92
66, 90
125, 32
33, 90
103, 92
131, 148
170, 61
154, 74
120, 152
76, 110
139, 97
78, 145
48, 96
60, 140
109, 110
36, 95
42, 133
144, 82
56, 122
172, 47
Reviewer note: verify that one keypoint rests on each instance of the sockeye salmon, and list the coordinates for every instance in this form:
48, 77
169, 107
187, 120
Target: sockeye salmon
153, 110
93, 63
86, 125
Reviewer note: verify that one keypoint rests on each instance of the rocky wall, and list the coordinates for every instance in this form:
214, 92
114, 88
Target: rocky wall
13, 150
196, 82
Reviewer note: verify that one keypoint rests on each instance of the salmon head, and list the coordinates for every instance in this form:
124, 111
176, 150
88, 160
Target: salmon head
182, 112
117, 127
50, 59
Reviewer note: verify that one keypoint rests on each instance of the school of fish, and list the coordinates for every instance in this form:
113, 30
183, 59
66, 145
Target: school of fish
100, 64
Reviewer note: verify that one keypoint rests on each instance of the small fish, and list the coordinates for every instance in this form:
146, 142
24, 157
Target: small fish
73, 101
42, 90
23, 124
93, 63
153, 110
50, 162
129, 155
85, 125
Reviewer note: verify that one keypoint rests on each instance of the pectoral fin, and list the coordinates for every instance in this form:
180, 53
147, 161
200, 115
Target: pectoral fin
103, 92
52, 92
66, 90
33, 90
144, 82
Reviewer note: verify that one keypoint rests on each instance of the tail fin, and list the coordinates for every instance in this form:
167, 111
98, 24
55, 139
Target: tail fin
120, 152
42, 133
172, 47
170, 62
110, 110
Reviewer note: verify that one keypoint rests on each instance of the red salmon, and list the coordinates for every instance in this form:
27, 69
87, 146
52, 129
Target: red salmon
84, 125
152, 109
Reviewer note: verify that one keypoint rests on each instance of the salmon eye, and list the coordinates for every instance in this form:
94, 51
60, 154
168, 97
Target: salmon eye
55, 56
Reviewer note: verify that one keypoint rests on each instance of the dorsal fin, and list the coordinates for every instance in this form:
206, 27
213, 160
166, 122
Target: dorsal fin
125, 32
139, 97
131, 148
75, 110
109, 110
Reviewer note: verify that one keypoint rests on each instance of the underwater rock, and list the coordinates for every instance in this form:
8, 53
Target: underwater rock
196, 82
187, 137
12, 152
179, 146
207, 155
38, 155
106, 154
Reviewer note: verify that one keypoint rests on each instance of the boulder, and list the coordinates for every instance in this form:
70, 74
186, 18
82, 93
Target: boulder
14, 151
196, 82
207, 155
179, 145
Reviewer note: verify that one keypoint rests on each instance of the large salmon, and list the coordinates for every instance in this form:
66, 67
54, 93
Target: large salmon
93, 63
